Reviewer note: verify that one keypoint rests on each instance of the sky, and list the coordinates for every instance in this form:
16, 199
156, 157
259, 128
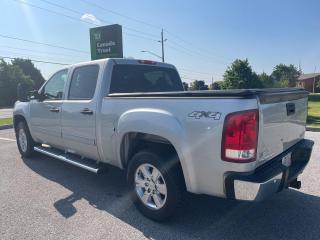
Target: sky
203, 37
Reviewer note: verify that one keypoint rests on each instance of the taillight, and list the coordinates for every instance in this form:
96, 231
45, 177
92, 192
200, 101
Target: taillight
240, 136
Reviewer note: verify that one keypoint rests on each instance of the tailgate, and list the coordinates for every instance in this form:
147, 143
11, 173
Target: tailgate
283, 118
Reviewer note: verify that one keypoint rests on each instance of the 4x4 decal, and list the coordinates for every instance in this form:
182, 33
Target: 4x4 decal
208, 114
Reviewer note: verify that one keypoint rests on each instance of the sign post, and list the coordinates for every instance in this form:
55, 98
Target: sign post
106, 42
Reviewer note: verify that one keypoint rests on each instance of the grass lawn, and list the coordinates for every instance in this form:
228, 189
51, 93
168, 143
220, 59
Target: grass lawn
314, 110
5, 121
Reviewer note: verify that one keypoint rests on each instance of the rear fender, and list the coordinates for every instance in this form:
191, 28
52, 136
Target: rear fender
160, 123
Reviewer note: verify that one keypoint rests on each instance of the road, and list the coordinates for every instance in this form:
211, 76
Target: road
6, 113
42, 198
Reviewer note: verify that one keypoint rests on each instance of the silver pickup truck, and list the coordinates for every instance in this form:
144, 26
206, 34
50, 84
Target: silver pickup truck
135, 115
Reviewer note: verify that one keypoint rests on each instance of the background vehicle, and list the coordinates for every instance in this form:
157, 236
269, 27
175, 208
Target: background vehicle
134, 114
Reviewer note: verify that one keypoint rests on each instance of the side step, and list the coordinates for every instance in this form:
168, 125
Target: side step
86, 164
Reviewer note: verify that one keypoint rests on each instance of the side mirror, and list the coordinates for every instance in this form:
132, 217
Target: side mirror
22, 92
35, 95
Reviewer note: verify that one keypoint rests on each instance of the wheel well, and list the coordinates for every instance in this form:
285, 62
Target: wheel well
135, 141
17, 119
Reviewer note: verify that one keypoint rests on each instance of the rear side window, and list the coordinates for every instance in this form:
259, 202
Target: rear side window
142, 78
83, 82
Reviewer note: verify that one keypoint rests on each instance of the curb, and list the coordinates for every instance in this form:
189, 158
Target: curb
313, 129
2, 127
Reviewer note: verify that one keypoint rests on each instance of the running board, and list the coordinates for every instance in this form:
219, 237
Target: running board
86, 164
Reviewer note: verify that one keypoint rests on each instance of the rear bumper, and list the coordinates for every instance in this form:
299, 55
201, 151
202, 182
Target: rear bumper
270, 177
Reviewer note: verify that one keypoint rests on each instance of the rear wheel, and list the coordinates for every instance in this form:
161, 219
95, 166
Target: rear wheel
155, 185
24, 140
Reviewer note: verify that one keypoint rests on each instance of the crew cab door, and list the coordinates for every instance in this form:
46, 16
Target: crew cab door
78, 119
45, 114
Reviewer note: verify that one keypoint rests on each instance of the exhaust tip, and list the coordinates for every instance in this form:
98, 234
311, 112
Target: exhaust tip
295, 184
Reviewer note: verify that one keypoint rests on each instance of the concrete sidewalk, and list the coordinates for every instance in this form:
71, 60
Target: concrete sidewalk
6, 113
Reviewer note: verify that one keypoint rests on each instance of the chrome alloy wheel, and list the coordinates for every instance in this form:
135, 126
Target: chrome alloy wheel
23, 142
150, 186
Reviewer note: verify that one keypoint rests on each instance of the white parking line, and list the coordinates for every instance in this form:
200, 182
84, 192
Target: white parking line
7, 139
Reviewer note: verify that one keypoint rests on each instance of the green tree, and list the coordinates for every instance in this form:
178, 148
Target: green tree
198, 85
240, 75
266, 80
318, 86
29, 69
285, 75
10, 77
217, 85
185, 86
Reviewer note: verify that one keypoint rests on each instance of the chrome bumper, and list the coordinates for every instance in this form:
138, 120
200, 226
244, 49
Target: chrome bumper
252, 191
271, 177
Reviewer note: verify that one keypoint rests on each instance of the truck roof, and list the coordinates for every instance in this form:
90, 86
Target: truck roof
126, 61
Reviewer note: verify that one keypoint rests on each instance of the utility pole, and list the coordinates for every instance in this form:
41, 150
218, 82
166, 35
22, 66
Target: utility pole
162, 44
314, 79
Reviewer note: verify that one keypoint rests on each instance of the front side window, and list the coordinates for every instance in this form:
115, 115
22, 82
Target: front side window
83, 82
54, 88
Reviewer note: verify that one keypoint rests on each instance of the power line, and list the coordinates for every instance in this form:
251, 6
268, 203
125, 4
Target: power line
99, 19
188, 78
41, 52
59, 54
187, 51
148, 24
50, 58
34, 55
35, 60
191, 44
60, 6
138, 31
100, 7
190, 54
128, 28
42, 43
196, 53
54, 12
194, 72
84, 21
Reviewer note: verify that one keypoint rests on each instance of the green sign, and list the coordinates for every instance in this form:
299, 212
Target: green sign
106, 42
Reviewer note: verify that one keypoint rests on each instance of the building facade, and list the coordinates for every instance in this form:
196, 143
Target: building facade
309, 81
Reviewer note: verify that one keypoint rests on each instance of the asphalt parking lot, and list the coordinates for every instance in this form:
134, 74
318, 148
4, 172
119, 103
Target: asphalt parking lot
42, 198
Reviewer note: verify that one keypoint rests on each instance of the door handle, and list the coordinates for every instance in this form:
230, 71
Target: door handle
86, 111
54, 109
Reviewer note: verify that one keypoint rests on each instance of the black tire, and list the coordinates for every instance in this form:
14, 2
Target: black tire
171, 172
26, 148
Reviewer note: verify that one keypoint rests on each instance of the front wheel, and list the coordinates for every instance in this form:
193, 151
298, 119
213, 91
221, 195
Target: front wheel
155, 185
24, 140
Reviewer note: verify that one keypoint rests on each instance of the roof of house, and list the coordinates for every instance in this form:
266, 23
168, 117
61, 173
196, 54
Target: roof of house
308, 75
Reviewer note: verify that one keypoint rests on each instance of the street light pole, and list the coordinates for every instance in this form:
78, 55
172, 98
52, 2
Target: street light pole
152, 53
